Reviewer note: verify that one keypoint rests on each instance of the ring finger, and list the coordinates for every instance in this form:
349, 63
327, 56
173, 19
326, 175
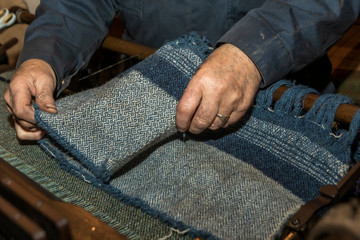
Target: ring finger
221, 118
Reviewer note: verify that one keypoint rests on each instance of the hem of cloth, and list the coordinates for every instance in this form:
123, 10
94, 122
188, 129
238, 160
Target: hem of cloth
132, 201
99, 172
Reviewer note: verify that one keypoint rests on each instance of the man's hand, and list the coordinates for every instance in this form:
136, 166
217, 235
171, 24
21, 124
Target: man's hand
225, 84
34, 81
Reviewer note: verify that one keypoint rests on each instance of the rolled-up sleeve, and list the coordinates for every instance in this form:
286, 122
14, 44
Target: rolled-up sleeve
65, 34
284, 36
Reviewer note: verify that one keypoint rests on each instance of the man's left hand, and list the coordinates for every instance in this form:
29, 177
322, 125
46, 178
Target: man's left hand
220, 92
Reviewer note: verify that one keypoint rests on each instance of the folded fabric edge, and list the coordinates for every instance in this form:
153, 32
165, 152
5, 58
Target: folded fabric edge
101, 172
86, 176
65, 150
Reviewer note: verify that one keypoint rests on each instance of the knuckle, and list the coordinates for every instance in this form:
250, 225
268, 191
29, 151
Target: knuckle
182, 108
235, 98
18, 111
43, 96
201, 123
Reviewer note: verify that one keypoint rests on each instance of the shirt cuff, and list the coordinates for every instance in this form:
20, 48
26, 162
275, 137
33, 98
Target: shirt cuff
262, 46
36, 49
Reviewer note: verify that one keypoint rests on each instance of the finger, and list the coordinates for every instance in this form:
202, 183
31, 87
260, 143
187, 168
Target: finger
223, 115
44, 98
18, 98
23, 134
26, 125
220, 121
205, 114
234, 118
187, 107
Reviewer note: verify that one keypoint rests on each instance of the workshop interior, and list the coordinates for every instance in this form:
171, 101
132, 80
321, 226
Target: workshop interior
43, 198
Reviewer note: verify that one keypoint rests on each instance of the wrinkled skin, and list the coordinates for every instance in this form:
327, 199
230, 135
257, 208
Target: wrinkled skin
34, 81
225, 84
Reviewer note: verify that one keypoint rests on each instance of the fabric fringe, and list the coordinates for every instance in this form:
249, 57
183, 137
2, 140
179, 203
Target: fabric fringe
318, 119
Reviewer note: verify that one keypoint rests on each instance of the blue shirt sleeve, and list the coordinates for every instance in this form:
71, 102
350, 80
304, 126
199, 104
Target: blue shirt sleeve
284, 36
65, 34
280, 37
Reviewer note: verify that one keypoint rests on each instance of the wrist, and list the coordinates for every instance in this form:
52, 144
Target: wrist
244, 62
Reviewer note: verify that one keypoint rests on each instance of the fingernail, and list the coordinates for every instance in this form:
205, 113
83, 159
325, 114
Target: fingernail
50, 106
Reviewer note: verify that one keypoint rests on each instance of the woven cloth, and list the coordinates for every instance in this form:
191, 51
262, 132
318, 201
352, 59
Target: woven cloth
31, 160
240, 183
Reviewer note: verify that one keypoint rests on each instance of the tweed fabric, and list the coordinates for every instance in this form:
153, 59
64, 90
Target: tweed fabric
125, 116
240, 183
31, 160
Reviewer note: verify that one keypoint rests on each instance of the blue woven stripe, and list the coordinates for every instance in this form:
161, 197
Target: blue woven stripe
291, 160
174, 75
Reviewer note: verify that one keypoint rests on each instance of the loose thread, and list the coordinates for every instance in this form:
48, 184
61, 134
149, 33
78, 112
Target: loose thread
112, 65
184, 137
172, 230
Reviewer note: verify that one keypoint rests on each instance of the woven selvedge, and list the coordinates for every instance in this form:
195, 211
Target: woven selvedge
243, 182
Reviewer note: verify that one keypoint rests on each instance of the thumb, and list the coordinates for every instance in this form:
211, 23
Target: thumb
44, 98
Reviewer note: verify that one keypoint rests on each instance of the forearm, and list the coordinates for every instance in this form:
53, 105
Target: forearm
66, 33
284, 36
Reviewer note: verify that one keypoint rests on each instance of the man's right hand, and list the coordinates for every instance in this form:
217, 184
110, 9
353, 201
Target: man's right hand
34, 81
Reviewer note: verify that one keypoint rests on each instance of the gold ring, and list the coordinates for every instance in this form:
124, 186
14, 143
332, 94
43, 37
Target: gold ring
223, 118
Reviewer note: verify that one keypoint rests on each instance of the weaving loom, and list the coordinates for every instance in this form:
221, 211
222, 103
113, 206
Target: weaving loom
243, 182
